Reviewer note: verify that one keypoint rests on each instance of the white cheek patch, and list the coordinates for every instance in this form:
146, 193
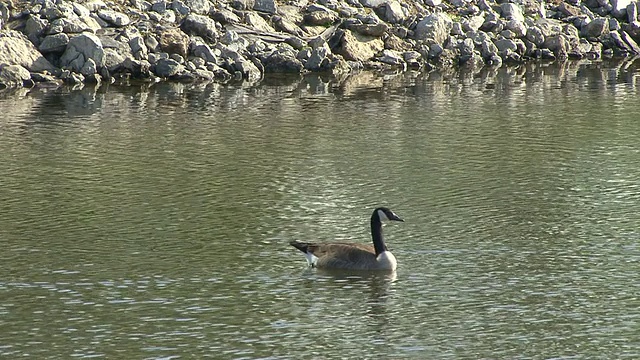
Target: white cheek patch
382, 216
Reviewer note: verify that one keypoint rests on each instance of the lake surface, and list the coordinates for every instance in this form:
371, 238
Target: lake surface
153, 221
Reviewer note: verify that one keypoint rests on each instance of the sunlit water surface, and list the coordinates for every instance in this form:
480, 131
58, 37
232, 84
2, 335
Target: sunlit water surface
154, 222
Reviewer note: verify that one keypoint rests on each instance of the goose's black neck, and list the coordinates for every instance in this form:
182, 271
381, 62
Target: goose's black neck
376, 234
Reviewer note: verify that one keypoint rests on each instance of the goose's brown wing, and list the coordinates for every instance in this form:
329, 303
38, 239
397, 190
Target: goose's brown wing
343, 256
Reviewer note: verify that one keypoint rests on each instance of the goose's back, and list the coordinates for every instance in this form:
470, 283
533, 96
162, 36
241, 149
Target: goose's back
345, 256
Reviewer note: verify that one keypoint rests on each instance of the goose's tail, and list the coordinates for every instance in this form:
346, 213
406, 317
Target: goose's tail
302, 246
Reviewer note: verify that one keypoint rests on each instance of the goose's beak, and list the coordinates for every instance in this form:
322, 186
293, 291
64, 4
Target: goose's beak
396, 218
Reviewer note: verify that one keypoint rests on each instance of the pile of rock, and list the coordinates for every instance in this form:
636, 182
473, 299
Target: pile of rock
96, 40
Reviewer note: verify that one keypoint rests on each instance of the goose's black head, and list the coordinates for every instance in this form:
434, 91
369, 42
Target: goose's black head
385, 214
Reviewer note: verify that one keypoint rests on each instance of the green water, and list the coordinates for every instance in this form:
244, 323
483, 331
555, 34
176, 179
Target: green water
153, 222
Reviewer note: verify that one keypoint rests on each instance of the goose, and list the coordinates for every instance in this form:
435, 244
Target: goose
352, 256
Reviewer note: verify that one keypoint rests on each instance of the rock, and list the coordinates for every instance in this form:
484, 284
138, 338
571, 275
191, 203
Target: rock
488, 49
268, 6
558, 44
505, 45
200, 25
159, 6
234, 41
633, 45
393, 12
137, 68
257, 22
535, 35
34, 28
467, 47
206, 53
138, 47
632, 12
321, 16
243, 4
356, 47
69, 26
152, 43
413, 59
180, 7
81, 48
225, 16
373, 3
392, 57
248, 69
167, 68
113, 60
295, 42
284, 25
393, 42
375, 30
72, 77
318, 58
12, 76
518, 28
4, 14
44, 78
596, 28
619, 8
16, 49
435, 50
114, 17
435, 26
569, 10
473, 23
283, 61
54, 43
173, 41
201, 7
94, 5
89, 68
512, 11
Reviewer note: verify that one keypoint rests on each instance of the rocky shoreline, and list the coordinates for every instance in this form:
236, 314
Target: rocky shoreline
92, 41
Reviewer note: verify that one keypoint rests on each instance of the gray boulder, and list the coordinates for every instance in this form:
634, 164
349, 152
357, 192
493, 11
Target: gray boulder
535, 35
268, 6
69, 26
596, 28
392, 57
257, 22
34, 28
619, 8
16, 49
283, 60
114, 17
12, 76
375, 30
54, 43
435, 26
81, 48
393, 12
89, 68
318, 58
488, 49
200, 25
512, 11
167, 68
199, 6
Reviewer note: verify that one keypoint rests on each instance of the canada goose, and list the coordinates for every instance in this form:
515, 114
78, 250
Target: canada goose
354, 256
